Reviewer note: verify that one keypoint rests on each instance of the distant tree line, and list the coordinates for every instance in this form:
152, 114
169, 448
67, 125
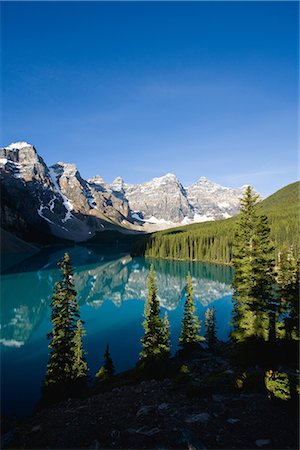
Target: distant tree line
210, 245
220, 272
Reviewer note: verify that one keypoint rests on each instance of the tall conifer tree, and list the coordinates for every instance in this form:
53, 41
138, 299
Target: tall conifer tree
107, 371
66, 363
288, 286
190, 327
80, 368
166, 333
210, 327
154, 346
255, 305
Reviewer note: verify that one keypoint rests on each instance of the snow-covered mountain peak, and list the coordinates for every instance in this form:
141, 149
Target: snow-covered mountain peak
204, 185
65, 169
22, 161
19, 145
161, 201
118, 180
99, 184
205, 182
21, 152
96, 180
118, 185
169, 177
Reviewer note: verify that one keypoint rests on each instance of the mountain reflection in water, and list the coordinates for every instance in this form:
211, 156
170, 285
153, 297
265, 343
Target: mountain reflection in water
111, 293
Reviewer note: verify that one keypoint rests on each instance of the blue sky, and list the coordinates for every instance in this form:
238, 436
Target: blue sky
141, 89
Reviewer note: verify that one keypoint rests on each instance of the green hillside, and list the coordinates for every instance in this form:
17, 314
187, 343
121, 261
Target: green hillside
212, 241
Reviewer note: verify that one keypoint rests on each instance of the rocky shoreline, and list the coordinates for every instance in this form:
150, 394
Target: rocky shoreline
199, 408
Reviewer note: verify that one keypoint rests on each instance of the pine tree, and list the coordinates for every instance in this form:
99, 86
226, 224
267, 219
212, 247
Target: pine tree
288, 286
66, 363
255, 305
107, 371
80, 367
166, 333
190, 329
210, 327
154, 346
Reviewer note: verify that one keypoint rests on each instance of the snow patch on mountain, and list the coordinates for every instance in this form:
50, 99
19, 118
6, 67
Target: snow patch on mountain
153, 219
118, 188
18, 145
69, 169
12, 166
40, 213
91, 199
202, 218
98, 184
51, 204
66, 202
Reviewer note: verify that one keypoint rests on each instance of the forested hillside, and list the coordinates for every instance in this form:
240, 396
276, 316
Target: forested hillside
212, 241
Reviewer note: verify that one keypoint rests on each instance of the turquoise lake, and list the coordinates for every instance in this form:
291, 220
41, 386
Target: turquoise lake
111, 293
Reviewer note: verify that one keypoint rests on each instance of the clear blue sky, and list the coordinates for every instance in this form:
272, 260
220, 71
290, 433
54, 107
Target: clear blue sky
140, 89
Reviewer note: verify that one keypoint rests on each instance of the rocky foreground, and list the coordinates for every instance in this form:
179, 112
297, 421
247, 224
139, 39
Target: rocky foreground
199, 408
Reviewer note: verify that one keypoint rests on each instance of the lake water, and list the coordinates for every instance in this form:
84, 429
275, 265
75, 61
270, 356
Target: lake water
111, 293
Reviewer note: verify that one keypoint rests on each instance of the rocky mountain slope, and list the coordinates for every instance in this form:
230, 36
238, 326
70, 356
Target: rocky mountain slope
158, 201
163, 202
211, 201
41, 201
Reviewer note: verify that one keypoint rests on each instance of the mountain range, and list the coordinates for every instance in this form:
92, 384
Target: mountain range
40, 203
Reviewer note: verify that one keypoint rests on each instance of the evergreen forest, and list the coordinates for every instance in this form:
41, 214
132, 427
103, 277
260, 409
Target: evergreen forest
213, 241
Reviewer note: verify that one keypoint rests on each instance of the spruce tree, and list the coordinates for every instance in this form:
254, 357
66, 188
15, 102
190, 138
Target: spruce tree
154, 346
255, 306
210, 327
166, 333
107, 371
190, 328
80, 367
288, 286
66, 363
